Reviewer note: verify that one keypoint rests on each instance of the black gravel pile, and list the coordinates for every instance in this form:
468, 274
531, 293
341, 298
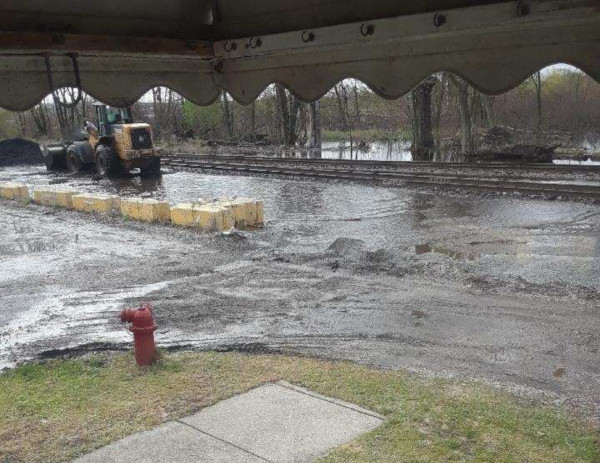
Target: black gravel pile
16, 151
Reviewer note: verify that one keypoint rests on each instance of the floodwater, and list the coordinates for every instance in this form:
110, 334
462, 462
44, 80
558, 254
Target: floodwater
308, 215
400, 151
378, 151
509, 287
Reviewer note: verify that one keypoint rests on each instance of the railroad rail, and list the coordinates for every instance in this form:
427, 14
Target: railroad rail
499, 177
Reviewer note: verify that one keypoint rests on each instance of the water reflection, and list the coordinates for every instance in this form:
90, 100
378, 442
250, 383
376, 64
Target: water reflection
397, 151
136, 186
363, 151
428, 249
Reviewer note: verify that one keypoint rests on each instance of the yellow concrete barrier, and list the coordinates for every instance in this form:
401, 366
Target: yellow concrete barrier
239, 208
208, 217
146, 210
247, 212
15, 191
258, 218
54, 197
97, 203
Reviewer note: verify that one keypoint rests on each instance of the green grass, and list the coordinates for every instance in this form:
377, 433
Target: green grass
55, 411
364, 135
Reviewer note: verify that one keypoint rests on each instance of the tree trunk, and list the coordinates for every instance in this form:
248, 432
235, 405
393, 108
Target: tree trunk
289, 108
537, 83
314, 126
356, 104
488, 108
178, 119
253, 118
466, 120
21, 124
342, 108
66, 129
227, 116
438, 106
423, 145
293, 119
284, 112
40, 118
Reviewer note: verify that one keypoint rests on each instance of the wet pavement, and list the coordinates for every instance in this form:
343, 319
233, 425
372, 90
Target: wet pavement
502, 289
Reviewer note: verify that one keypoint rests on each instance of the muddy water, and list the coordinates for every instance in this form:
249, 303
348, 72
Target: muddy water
309, 215
497, 288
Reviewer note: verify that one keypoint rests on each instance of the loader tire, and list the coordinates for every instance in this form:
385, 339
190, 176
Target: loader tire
74, 163
108, 163
151, 169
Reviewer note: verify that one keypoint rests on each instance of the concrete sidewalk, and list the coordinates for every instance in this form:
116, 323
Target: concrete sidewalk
276, 423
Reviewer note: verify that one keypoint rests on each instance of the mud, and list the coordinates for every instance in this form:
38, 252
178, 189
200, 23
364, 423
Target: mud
500, 289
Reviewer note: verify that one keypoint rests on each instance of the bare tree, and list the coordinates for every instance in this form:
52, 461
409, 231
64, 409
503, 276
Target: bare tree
423, 144
342, 100
356, 102
314, 126
288, 109
439, 96
66, 113
21, 124
165, 106
39, 114
253, 118
467, 139
537, 84
227, 114
488, 108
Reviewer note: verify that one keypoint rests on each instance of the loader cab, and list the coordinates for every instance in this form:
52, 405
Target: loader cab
109, 118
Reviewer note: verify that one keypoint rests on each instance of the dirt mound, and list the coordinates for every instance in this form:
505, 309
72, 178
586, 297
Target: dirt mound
345, 246
16, 151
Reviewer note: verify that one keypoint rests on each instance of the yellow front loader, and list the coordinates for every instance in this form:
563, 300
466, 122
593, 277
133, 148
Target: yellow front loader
115, 146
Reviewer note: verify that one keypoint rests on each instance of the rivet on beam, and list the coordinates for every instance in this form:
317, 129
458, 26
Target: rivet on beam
439, 20
308, 36
367, 29
230, 46
254, 42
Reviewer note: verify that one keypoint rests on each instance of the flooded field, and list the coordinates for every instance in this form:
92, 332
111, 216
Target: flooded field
378, 151
503, 289
400, 151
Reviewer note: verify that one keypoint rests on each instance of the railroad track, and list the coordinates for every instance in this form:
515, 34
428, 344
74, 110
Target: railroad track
460, 176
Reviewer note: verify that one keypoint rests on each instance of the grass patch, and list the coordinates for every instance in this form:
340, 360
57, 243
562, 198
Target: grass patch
364, 135
55, 411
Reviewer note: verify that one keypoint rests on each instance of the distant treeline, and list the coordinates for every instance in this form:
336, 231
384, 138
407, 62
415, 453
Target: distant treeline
559, 99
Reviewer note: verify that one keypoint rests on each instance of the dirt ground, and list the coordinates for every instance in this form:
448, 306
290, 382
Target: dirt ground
499, 289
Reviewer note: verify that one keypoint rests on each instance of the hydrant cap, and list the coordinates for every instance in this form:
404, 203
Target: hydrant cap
141, 319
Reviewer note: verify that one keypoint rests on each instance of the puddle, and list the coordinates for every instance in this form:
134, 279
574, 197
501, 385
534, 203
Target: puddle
427, 248
30, 247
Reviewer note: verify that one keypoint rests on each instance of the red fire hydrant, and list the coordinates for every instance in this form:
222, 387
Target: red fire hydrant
143, 328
